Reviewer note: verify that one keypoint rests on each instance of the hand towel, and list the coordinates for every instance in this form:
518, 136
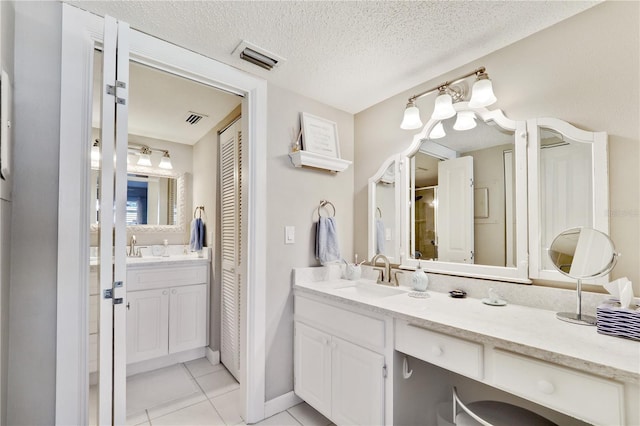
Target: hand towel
196, 241
327, 249
380, 236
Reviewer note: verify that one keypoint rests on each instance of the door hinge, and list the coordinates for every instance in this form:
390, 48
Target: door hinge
384, 371
111, 90
471, 180
108, 293
471, 254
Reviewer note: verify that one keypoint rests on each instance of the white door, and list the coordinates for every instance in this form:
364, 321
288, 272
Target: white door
455, 210
230, 218
312, 367
187, 317
111, 227
357, 381
147, 324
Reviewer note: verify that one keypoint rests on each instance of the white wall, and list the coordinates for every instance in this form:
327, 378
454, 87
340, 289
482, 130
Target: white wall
6, 62
34, 243
583, 70
293, 196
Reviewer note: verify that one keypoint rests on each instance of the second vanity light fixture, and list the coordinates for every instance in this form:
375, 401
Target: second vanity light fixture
481, 96
144, 156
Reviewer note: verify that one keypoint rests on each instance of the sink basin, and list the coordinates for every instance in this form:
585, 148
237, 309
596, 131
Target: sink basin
369, 291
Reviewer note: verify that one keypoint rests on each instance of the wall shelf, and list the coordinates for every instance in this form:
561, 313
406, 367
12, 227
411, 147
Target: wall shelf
311, 159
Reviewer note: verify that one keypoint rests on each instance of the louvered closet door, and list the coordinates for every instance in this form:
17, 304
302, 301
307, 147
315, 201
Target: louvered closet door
230, 215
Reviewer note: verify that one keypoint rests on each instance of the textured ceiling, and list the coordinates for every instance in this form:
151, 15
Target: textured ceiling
350, 55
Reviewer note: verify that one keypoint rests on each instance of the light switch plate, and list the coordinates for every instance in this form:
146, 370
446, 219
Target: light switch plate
289, 234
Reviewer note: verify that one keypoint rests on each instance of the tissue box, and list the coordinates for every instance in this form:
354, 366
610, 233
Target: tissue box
616, 321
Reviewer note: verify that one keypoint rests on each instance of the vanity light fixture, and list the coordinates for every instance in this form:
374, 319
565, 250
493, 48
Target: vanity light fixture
466, 120
481, 96
145, 157
165, 161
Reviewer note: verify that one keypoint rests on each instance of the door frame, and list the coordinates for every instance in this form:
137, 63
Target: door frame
81, 31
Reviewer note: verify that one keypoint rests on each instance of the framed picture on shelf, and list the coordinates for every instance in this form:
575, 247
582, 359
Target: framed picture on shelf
319, 135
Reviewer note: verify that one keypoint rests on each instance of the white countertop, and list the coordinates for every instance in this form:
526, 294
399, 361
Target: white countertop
529, 331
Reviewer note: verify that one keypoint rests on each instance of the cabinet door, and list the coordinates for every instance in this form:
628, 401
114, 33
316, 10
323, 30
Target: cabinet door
312, 367
357, 385
147, 324
187, 318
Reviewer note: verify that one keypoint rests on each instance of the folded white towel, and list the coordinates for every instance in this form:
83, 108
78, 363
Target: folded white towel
380, 236
196, 242
327, 249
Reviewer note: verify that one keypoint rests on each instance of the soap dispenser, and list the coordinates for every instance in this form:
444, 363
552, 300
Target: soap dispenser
420, 279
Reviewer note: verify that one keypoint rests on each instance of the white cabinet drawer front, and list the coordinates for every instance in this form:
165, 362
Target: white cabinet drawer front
342, 322
586, 397
147, 279
439, 349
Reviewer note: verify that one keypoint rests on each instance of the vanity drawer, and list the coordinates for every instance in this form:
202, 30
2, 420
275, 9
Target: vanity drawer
449, 352
342, 322
163, 277
583, 396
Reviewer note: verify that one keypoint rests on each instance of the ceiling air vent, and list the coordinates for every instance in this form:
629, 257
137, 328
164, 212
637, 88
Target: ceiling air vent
257, 55
194, 117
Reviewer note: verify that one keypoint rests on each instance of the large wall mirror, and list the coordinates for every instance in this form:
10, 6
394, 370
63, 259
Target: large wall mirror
155, 200
486, 202
462, 201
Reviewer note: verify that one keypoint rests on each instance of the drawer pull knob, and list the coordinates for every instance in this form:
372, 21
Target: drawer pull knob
165, 292
436, 351
325, 341
546, 387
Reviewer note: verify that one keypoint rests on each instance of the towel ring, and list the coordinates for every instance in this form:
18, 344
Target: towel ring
324, 203
379, 212
198, 209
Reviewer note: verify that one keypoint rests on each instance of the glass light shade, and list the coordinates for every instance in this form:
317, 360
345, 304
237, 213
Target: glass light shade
482, 94
144, 160
411, 118
444, 107
437, 132
165, 162
466, 120
95, 153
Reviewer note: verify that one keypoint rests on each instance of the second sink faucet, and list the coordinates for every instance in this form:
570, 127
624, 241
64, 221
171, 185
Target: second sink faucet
132, 247
385, 274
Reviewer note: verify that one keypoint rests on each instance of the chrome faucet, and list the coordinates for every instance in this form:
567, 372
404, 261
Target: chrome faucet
385, 273
132, 247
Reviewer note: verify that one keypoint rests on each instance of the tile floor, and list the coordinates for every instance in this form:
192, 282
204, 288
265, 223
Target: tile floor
198, 393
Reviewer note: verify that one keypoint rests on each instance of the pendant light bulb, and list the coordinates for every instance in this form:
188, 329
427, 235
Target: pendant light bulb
411, 119
482, 92
444, 106
466, 120
437, 132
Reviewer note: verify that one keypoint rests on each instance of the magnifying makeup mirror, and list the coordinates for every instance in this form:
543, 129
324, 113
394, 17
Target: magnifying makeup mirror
582, 253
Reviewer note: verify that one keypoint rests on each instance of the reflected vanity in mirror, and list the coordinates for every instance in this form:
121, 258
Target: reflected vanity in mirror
581, 253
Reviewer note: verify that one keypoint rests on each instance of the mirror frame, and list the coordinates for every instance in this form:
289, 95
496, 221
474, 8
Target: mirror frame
181, 203
519, 273
600, 206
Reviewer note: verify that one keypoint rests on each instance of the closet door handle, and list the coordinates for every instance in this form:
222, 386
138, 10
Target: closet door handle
165, 292
173, 291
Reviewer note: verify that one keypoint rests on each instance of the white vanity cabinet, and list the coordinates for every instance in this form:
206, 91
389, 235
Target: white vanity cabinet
339, 362
167, 310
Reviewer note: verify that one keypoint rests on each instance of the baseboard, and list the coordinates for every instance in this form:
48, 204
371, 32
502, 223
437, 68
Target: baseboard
164, 361
281, 403
212, 356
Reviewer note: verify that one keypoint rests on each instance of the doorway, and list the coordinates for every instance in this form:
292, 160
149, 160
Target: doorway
82, 33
